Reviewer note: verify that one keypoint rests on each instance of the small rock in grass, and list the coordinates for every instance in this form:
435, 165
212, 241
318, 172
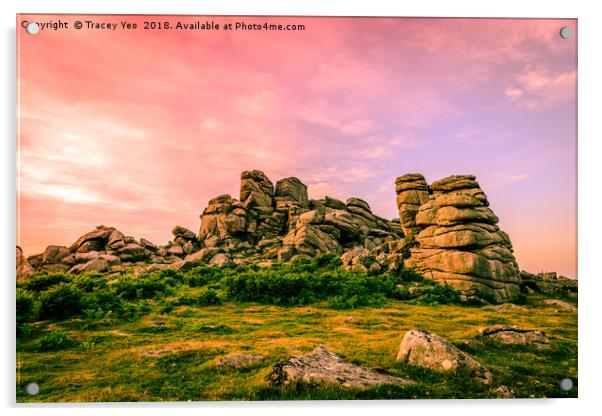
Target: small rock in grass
239, 360
513, 335
560, 304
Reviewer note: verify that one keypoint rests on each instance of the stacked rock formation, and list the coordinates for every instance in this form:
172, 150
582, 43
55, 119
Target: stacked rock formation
412, 191
281, 222
459, 243
445, 231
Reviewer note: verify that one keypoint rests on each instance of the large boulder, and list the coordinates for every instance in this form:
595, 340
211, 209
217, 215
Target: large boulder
429, 350
460, 244
224, 217
184, 233
99, 264
310, 240
322, 366
256, 190
24, 269
95, 240
292, 190
132, 252
54, 254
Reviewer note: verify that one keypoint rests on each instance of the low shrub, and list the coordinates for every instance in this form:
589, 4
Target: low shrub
202, 275
55, 340
45, 280
90, 281
146, 286
208, 297
439, 295
105, 300
327, 261
299, 284
61, 301
27, 308
205, 297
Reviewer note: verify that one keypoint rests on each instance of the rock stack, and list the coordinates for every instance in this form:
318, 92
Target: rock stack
281, 222
459, 243
445, 231
412, 191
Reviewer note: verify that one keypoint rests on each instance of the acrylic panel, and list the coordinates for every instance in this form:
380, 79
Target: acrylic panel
295, 208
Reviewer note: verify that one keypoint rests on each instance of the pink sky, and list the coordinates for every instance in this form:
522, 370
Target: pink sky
139, 129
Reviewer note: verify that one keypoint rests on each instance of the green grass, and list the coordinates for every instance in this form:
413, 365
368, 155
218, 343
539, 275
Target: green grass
156, 348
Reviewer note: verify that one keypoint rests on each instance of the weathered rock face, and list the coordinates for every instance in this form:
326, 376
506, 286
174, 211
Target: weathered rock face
323, 366
513, 335
223, 218
291, 190
24, 269
460, 244
425, 349
412, 192
280, 223
445, 231
256, 190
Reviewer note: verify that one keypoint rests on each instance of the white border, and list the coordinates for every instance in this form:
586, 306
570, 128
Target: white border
590, 68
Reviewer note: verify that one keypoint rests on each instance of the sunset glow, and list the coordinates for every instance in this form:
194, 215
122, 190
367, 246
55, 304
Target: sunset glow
139, 129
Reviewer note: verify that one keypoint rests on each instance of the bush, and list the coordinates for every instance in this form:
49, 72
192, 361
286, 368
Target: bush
439, 295
328, 261
42, 281
410, 275
61, 301
208, 297
56, 340
205, 297
104, 300
27, 309
90, 281
144, 287
354, 301
201, 276
303, 282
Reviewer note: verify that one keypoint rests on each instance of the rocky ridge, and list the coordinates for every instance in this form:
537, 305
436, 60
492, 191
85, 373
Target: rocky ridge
446, 231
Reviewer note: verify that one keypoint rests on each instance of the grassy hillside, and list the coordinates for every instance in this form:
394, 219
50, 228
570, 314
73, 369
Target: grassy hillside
156, 337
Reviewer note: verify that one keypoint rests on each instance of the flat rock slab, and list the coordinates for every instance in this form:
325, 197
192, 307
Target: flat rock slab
513, 335
322, 365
